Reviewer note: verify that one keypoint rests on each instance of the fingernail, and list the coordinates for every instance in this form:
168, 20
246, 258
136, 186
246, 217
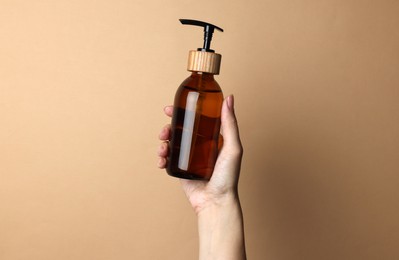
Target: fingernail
230, 102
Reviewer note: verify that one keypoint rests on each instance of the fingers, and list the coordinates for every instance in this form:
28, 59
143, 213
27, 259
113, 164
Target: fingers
168, 110
164, 135
163, 152
163, 149
162, 162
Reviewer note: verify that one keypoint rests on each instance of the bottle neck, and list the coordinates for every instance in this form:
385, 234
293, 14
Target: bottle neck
203, 75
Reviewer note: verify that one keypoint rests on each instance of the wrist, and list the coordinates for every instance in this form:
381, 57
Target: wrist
212, 204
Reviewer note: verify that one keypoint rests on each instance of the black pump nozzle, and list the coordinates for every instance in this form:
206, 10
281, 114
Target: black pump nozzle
208, 32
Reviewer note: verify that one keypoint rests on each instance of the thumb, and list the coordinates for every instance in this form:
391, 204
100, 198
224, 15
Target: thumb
228, 164
229, 128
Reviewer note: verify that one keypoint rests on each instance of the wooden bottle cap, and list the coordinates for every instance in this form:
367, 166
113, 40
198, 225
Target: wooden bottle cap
203, 61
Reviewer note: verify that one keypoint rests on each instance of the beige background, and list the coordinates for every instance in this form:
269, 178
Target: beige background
82, 87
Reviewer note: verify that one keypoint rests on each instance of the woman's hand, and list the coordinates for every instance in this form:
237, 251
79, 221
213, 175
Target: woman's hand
223, 184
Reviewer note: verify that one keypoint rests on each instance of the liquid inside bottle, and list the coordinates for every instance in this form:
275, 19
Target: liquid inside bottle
193, 147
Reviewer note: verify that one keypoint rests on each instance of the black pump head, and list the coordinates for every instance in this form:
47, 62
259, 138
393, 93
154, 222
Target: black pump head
208, 32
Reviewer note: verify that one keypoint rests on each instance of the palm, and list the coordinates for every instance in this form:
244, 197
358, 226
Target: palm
195, 192
224, 178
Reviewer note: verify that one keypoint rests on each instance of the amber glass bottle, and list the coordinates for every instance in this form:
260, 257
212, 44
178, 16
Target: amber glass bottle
193, 146
195, 127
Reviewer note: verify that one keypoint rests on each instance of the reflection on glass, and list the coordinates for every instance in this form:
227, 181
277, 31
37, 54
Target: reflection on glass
188, 128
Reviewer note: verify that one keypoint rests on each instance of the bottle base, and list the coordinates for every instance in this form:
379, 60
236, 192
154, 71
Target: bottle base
189, 176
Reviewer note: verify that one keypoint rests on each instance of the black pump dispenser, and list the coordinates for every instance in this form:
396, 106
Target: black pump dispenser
208, 32
204, 59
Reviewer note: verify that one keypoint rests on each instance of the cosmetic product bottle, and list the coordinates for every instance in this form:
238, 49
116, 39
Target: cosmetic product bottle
193, 146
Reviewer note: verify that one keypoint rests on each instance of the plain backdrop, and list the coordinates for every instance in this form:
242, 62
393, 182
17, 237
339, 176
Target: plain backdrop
82, 90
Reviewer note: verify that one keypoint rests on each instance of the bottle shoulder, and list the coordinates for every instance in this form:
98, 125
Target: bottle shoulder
201, 83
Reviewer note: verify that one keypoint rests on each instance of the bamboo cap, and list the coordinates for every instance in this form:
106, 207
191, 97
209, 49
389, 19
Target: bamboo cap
203, 61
